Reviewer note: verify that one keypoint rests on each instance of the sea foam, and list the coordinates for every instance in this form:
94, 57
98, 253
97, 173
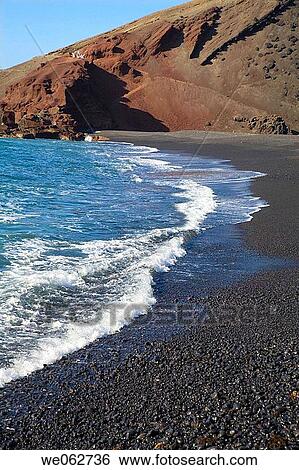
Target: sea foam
144, 255
58, 295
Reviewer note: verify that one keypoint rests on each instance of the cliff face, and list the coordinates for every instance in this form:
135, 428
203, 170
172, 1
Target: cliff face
208, 64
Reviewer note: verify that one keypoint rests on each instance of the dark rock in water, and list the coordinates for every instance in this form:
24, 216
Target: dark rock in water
28, 136
24, 135
47, 134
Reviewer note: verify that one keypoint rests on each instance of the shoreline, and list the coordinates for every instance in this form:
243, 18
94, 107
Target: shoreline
276, 156
219, 384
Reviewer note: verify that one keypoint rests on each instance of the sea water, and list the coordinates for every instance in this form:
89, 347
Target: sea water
85, 227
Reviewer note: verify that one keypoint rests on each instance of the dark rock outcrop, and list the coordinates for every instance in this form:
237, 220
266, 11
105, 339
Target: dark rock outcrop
268, 125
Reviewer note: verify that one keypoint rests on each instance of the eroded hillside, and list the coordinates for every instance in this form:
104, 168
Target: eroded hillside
210, 64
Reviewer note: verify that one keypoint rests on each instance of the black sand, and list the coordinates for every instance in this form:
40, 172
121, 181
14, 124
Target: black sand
273, 231
230, 382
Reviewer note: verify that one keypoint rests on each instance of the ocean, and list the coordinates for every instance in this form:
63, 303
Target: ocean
85, 230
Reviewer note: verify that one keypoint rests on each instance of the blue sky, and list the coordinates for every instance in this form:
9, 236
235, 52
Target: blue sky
57, 23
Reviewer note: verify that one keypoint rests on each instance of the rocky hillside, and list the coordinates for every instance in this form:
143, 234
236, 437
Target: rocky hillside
208, 64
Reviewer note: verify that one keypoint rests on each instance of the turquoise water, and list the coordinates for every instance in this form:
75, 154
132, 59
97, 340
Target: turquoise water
84, 227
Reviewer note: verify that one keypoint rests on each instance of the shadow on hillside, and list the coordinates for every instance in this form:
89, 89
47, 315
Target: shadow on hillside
208, 32
251, 30
99, 103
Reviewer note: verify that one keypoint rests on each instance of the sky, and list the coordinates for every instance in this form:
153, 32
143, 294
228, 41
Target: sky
57, 23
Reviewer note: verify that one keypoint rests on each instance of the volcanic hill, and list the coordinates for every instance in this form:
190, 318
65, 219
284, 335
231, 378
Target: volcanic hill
227, 65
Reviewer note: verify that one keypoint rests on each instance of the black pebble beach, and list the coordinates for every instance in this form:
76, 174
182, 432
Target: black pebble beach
227, 381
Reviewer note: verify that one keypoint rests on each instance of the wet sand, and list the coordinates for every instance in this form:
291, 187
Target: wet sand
231, 381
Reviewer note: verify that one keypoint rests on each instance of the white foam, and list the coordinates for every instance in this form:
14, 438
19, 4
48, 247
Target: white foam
137, 179
11, 212
125, 266
144, 159
133, 260
200, 202
135, 149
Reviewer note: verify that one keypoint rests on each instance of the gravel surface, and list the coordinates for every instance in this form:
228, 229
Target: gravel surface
230, 381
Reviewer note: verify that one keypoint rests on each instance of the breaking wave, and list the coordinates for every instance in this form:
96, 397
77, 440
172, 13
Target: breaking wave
104, 223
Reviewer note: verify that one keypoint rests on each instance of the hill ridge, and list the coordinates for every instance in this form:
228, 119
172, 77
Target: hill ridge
171, 70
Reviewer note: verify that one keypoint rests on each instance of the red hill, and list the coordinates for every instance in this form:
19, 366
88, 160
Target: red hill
208, 64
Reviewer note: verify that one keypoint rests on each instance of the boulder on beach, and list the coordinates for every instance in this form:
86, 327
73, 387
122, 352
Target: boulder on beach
269, 125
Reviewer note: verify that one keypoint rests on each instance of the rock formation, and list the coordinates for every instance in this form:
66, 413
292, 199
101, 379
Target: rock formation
268, 125
227, 65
